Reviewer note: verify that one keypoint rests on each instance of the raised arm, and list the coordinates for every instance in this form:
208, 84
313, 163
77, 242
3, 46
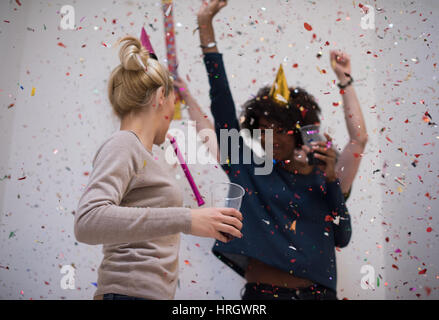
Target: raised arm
205, 17
222, 104
350, 158
205, 128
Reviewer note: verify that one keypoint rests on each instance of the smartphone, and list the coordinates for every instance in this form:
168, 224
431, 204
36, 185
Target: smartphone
311, 133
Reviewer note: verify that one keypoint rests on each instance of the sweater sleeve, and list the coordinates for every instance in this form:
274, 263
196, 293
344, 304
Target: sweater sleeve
336, 200
223, 108
100, 219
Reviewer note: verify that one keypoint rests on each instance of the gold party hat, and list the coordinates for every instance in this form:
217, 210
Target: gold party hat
279, 91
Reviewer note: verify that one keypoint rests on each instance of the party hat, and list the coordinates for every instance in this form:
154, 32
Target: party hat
144, 38
279, 91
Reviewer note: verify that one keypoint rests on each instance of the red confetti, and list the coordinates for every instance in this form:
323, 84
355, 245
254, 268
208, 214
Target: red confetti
307, 26
328, 218
428, 290
429, 229
395, 266
423, 271
60, 44
295, 65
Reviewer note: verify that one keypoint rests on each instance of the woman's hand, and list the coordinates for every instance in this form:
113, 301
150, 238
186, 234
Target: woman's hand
216, 223
324, 151
341, 64
209, 9
182, 88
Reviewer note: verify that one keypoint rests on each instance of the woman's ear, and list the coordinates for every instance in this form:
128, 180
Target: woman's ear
159, 97
162, 97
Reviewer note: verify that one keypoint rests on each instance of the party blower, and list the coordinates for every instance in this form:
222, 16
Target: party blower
186, 170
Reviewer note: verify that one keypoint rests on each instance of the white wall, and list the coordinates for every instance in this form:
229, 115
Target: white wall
51, 137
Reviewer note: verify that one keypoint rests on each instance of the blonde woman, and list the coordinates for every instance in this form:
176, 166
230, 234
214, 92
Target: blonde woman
132, 205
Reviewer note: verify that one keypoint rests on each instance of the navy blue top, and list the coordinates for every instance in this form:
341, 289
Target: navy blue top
292, 222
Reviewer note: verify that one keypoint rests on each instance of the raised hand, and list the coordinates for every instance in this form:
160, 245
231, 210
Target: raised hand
340, 63
181, 87
209, 9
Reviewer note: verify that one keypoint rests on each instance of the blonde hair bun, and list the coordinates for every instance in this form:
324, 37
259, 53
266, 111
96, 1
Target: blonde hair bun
133, 56
134, 82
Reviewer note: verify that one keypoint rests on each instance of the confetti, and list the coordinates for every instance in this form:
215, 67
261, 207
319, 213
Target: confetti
307, 26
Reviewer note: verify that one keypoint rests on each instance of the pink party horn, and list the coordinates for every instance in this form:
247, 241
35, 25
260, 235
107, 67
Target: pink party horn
146, 43
186, 170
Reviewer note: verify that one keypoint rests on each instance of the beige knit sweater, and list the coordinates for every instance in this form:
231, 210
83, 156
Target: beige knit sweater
133, 206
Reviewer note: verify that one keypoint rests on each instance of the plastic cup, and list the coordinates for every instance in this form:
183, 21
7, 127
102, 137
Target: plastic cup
227, 195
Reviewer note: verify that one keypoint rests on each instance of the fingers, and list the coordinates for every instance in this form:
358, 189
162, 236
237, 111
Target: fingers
221, 237
231, 212
233, 222
326, 159
222, 4
339, 57
230, 230
300, 155
328, 137
325, 151
306, 149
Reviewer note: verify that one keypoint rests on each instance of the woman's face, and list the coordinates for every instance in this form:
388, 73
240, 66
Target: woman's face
283, 142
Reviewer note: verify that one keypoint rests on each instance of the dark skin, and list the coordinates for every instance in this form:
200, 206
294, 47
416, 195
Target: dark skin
284, 151
293, 159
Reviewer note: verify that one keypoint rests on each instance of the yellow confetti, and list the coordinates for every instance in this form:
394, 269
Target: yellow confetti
293, 226
33, 91
144, 163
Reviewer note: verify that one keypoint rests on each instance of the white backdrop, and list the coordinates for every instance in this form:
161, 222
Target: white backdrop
49, 138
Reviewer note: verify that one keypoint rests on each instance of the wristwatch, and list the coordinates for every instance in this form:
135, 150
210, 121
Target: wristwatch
209, 45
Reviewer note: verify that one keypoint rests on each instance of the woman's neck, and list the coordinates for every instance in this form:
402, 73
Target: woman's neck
143, 125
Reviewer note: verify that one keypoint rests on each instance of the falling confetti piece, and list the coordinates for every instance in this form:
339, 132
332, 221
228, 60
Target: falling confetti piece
293, 226
33, 92
307, 26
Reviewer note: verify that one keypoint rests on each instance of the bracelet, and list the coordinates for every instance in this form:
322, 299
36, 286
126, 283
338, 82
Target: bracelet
209, 45
351, 80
